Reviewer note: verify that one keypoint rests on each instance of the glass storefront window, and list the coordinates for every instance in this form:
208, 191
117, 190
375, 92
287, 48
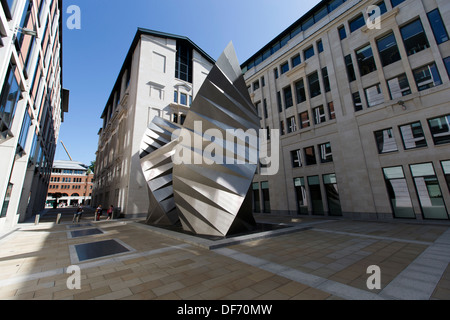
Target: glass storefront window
315, 195
300, 192
398, 192
429, 192
332, 191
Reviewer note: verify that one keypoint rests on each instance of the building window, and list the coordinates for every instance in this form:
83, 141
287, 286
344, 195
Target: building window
446, 169
300, 91
256, 200
284, 67
387, 47
280, 104
275, 73
304, 120
9, 98
257, 105
308, 53
26, 124
398, 192
255, 85
382, 6
447, 65
292, 125
319, 115
326, 79
414, 37
263, 81
374, 95
427, 77
6, 200
319, 46
357, 23
439, 30
282, 127
413, 136
366, 61
314, 85
183, 63
396, 2
440, 129
302, 199
350, 69
429, 192
183, 99
296, 157
288, 101
326, 154
331, 112
332, 192
385, 141
316, 195
175, 96
399, 87
342, 33
310, 156
266, 113
296, 60
265, 196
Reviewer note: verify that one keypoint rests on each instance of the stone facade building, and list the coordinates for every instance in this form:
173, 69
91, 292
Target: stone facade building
160, 77
73, 181
360, 95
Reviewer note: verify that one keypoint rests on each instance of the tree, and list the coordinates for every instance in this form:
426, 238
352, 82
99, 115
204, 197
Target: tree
91, 168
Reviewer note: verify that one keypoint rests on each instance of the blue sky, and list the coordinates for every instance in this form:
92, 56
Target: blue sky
93, 55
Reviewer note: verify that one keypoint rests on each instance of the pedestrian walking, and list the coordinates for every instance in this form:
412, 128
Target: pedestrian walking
78, 213
98, 212
110, 212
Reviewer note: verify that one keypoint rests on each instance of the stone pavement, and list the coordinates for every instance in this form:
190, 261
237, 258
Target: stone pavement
315, 259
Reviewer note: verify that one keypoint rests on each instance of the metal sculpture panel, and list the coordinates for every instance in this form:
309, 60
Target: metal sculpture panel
214, 157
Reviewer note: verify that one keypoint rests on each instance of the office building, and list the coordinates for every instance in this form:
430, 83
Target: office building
360, 93
161, 75
71, 184
32, 104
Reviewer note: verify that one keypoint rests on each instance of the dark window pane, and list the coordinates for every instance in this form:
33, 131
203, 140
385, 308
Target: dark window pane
284, 67
288, 102
296, 61
396, 2
366, 61
387, 47
320, 46
319, 115
414, 37
350, 69
300, 91
440, 129
316, 195
296, 156
357, 103
447, 65
439, 30
302, 199
326, 79
314, 85
304, 120
309, 52
357, 23
342, 33
332, 192
310, 156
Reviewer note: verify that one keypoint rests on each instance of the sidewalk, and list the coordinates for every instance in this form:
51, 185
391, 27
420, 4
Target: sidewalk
314, 259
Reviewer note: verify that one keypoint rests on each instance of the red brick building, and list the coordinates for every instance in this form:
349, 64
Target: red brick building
70, 184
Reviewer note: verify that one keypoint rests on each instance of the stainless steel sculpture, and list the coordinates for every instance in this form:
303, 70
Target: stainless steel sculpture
218, 144
156, 153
